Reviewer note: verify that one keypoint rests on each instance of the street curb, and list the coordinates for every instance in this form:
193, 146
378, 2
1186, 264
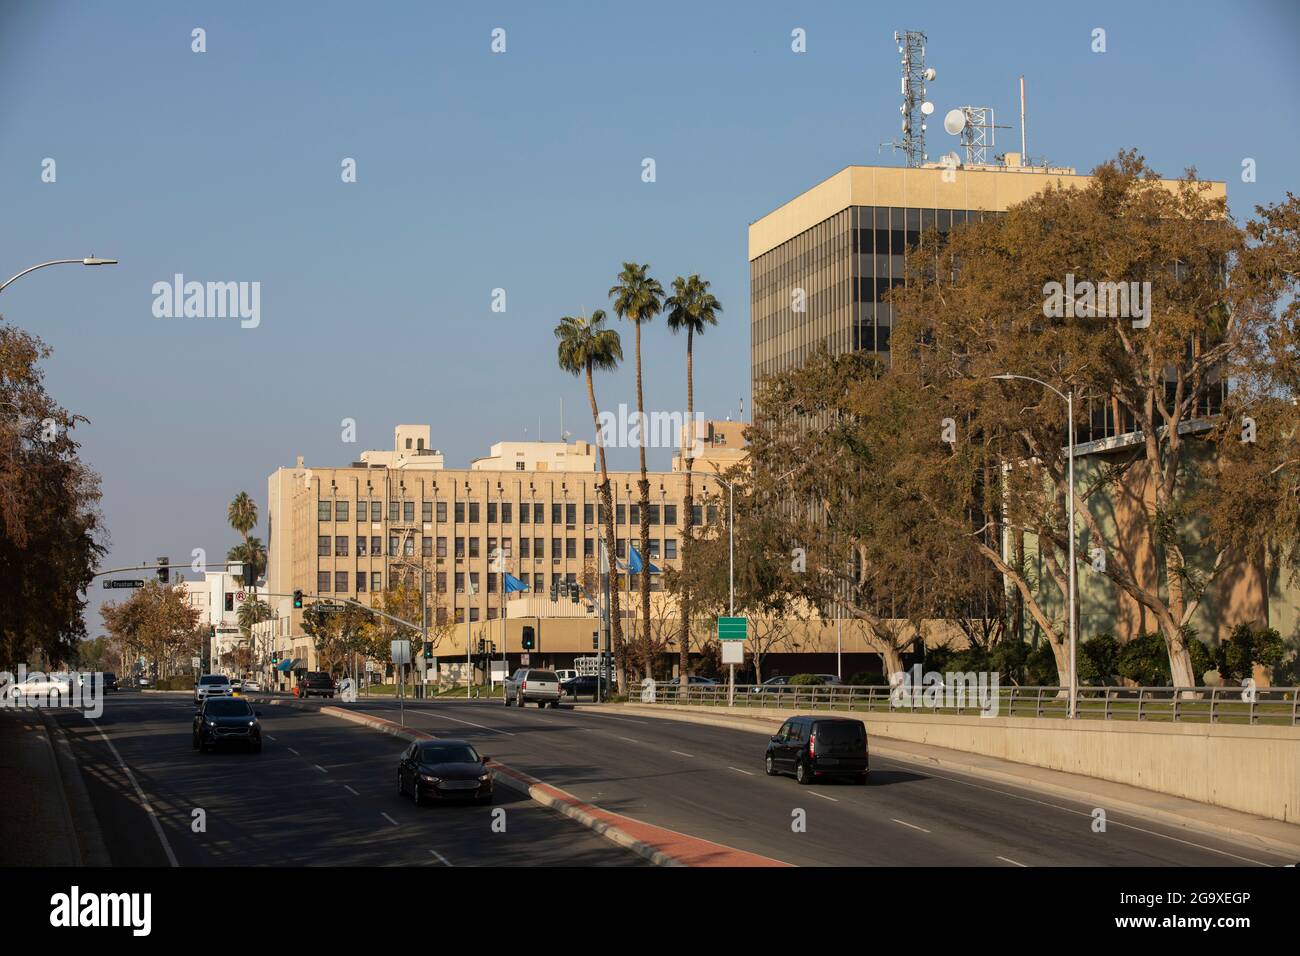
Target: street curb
79, 812
612, 826
1073, 792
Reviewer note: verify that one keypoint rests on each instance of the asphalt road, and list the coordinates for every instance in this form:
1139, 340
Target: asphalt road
709, 782
322, 791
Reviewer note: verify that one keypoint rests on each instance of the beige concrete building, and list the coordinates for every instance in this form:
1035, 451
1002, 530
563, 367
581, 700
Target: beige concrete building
351, 530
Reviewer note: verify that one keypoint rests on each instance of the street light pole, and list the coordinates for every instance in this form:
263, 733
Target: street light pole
731, 577
87, 261
1073, 599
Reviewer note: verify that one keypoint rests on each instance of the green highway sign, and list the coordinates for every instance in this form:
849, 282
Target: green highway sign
731, 628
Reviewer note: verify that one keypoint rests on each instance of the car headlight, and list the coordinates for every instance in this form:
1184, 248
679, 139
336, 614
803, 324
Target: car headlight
485, 776
252, 723
429, 778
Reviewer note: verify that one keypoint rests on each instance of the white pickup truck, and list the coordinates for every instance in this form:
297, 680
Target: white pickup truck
532, 685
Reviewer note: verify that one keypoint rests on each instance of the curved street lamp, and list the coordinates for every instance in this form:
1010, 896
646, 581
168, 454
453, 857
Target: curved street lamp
87, 261
1069, 404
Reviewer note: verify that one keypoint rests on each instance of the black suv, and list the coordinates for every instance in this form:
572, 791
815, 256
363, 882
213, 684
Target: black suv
227, 720
316, 684
812, 747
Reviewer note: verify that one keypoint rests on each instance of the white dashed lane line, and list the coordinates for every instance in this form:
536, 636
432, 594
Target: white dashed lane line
823, 796
388, 818
320, 768
738, 770
441, 859
350, 790
680, 754
1012, 862
912, 825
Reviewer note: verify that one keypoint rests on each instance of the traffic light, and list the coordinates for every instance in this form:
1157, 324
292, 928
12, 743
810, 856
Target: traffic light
555, 589
595, 640
529, 641
297, 599
493, 649
428, 650
163, 570
575, 591
481, 646
250, 576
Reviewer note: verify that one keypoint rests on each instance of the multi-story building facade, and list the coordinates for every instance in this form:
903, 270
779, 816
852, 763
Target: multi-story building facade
352, 531
216, 597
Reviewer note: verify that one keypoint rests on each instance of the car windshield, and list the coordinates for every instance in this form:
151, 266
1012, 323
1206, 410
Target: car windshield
318, 676
448, 753
211, 679
542, 675
225, 707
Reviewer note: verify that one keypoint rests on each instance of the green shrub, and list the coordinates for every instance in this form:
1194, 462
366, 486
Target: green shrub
1098, 659
805, 680
1040, 667
1235, 658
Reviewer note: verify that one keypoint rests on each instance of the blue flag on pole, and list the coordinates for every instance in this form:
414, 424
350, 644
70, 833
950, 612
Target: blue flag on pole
514, 584
634, 562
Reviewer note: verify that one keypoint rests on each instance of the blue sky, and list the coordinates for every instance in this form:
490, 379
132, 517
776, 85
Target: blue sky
519, 170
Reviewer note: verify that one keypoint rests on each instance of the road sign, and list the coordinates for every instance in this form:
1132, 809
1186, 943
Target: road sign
732, 628
239, 596
326, 608
123, 583
401, 652
196, 662
733, 652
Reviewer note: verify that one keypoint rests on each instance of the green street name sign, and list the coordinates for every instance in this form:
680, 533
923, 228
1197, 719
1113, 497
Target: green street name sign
732, 628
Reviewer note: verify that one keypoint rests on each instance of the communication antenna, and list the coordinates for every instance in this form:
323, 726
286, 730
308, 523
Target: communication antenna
975, 126
915, 107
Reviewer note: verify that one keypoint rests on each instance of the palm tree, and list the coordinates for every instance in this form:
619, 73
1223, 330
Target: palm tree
694, 308
639, 298
242, 515
242, 552
585, 346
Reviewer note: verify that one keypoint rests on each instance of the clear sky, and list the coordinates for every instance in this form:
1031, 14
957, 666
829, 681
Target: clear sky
519, 170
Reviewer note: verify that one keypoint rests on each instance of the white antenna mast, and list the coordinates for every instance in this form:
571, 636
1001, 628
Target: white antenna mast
1024, 149
915, 108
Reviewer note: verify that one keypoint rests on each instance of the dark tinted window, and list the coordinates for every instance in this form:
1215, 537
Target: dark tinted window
209, 679
448, 753
542, 675
840, 732
226, 707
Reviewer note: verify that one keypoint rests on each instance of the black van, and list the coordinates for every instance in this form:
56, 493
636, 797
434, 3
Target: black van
813, 747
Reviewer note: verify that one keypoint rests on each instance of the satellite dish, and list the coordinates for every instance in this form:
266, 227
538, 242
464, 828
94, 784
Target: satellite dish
930, 74
954, 122
927, 107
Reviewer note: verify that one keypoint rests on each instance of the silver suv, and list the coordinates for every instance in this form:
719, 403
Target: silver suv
532, 685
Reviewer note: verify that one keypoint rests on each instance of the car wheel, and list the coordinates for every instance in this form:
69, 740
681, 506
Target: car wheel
769, 766
802, 773
519, 700
506, 698
861, 779
541, 704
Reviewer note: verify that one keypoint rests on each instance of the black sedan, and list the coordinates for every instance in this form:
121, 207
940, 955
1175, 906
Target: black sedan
444, 770
583, 686
221, 721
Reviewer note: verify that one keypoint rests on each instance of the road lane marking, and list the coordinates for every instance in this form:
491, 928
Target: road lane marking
738, 770
912, 825
350, 790
1013, 862
628, 739
431, 712
441, 858
823, 796
320, 768
294, 752
678, 752
144, 801
388, 818
268, 737
1110, 820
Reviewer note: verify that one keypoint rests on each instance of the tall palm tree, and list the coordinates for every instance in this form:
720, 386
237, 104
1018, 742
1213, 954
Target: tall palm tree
694, 308
242, 515
586, 346
242, 552
639, 298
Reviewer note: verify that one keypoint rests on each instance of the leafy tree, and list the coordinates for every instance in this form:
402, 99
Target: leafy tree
638, 298
241, 552
51, 531
974, 307
1235, 658
157, 623
586, 346
1098, 659
694, 308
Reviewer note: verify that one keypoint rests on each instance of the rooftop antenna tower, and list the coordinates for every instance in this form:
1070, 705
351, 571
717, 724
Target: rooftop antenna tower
915, 107
975, 126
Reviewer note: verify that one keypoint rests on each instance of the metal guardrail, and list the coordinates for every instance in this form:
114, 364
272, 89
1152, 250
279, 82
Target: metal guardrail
1278, 706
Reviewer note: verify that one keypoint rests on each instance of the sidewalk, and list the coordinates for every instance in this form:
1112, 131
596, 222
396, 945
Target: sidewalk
36, 827
1114, 797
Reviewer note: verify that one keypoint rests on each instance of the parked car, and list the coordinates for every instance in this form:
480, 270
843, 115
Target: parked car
223, 721
444, 770
37, 689
531, 685
316, 684
212, 685
566, 675
692, 681
583, 686
815, 747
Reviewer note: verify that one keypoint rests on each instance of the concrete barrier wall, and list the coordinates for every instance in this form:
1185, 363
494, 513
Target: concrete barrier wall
1251, 769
